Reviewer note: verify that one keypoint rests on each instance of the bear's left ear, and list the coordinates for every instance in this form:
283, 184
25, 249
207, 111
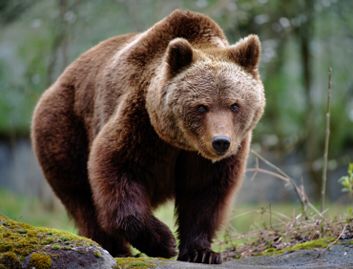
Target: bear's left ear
179, 55
246, 53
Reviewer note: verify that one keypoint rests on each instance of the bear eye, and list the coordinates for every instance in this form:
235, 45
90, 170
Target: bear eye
234, 107
201, 109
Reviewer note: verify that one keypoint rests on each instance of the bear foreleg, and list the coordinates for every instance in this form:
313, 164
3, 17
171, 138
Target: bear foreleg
122, 202
204, 196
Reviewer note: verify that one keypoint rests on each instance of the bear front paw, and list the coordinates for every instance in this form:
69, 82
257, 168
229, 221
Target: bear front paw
201, 256
154, 239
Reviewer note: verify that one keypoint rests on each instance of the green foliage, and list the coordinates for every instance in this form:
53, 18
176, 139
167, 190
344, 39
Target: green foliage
347, 181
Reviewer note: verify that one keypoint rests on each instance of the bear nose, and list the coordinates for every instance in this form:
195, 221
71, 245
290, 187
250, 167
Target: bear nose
220, 144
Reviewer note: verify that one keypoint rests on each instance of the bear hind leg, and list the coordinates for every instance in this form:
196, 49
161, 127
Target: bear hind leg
60, 144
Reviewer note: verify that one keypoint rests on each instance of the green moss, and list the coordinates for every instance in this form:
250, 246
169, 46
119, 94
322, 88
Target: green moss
97, 254
270, 251
318, 243
9, 260
56, 246
23, 239
135, 263
40, 261
4, 248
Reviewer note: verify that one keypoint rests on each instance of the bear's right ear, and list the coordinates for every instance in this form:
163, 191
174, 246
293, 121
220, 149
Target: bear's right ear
246, 53
179, 55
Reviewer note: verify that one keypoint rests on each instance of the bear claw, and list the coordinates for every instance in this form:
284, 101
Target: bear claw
206, 256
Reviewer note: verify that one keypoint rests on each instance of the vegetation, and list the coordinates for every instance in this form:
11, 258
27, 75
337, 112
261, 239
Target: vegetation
31, 210
136, 263
347, 181
282, 233
40, 261
253, 229
310, 228
19, 240
40, 38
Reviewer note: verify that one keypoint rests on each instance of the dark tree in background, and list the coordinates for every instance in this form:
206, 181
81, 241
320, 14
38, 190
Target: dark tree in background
11, 10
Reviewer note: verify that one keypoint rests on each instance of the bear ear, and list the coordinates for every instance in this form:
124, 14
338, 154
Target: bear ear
246, 53
179, 55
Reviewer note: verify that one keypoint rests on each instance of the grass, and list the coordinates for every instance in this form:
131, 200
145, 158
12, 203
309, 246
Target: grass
251, 217
274, 230
251, 226
245, 217
30, 210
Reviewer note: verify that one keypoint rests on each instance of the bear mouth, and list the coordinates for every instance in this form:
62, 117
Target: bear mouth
214, 156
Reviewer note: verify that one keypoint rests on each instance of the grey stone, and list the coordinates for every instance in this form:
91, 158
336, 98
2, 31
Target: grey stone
88, 257
338, 256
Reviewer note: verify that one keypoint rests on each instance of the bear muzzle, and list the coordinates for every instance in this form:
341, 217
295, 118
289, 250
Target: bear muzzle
220, 144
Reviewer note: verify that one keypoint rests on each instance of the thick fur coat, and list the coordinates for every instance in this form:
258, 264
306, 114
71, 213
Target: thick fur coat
143, 118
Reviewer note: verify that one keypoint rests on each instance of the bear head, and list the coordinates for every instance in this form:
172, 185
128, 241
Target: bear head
207, 99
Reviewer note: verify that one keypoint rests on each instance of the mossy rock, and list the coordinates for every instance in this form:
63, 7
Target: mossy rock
9, 260
40, 260
136, 263
26, 246
309, 245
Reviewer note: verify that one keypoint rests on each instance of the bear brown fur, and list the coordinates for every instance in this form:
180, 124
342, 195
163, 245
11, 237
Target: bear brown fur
143, 118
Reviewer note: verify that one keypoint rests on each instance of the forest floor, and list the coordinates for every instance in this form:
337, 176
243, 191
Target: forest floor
259, 236
26, 246
338, 256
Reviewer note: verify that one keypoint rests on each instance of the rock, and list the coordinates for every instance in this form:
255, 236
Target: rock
337, 256
25, 246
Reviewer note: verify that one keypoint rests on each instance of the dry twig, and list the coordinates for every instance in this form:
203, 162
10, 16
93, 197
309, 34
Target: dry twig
280, 174
327, 139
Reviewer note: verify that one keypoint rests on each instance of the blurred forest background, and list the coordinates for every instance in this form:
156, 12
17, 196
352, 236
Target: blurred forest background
301, 40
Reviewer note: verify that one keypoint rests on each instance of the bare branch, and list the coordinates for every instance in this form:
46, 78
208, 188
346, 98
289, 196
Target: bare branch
327, 139
300, 191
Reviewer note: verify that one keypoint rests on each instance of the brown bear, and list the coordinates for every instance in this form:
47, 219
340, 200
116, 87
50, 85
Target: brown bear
143, 118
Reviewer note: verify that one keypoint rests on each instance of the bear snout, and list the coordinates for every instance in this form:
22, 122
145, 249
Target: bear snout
220, 144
